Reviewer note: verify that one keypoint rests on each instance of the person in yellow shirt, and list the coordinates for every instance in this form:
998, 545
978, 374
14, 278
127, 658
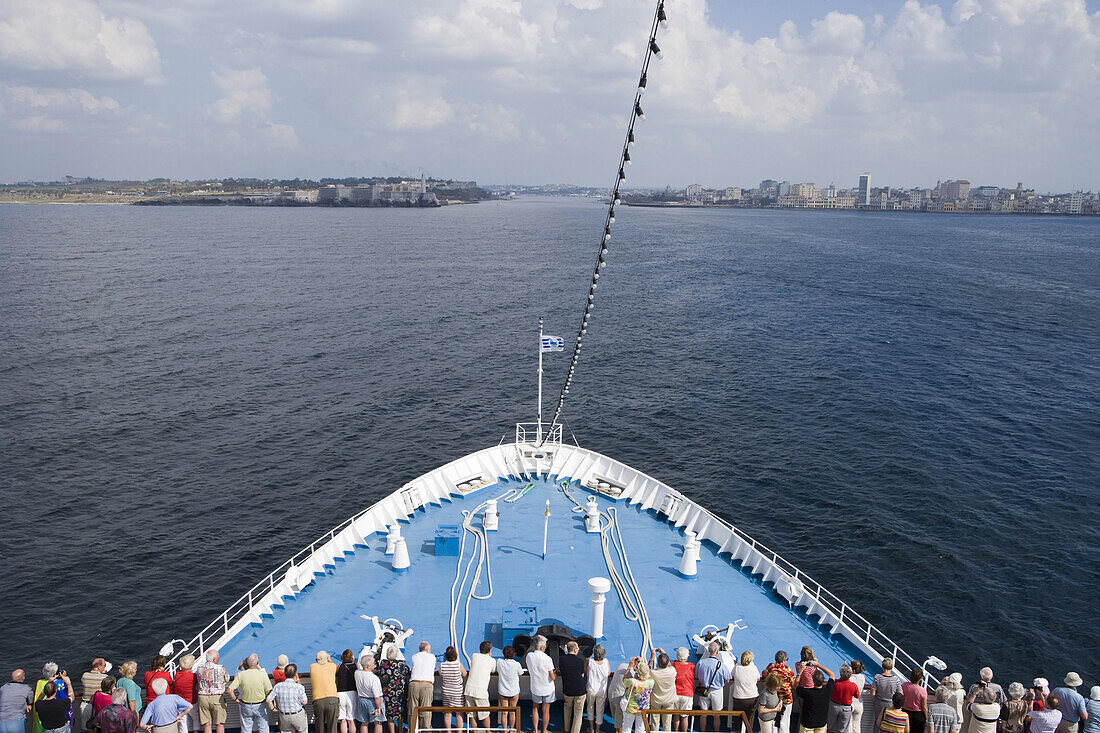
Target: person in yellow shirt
326, 705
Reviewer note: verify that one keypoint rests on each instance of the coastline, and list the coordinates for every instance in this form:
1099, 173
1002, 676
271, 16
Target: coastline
860, 211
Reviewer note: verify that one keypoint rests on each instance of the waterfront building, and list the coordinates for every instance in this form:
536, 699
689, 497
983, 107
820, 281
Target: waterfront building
1076, 200
694, 192
952, 190
864, 198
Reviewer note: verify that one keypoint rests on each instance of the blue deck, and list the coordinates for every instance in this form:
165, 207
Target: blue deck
326, 615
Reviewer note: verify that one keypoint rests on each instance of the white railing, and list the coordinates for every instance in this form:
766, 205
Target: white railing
862, 629
244, 605
818, 600
576, 463
538, 433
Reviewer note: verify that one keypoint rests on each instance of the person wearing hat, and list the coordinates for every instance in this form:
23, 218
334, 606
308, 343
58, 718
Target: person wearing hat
1070, 704
1040, 689
90, 682
1092, 707
955, 694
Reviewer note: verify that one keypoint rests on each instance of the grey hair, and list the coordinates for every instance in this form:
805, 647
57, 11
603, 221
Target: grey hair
159, 685
942, 693
598, 652
539, 642
986, 674
213, 655
118, 696
323, 657
253, 660
845, 671
393, 652
682, 654
713, 648
366, 659
49, 669
425, 646
1016, 691
987, 697
187, 661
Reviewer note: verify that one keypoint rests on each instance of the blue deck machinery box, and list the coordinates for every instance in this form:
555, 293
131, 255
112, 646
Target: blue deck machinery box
518, 620
446, 540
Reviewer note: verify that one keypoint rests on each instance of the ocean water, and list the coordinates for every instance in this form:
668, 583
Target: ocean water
905, 406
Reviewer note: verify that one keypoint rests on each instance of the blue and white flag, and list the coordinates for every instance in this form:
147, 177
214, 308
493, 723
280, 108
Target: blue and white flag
552, 343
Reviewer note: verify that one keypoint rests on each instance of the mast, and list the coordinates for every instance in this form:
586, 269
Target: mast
538, 430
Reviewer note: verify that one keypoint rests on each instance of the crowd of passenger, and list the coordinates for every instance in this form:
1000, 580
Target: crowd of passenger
360, 695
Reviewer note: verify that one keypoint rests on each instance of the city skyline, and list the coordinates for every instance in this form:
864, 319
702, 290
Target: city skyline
513, 90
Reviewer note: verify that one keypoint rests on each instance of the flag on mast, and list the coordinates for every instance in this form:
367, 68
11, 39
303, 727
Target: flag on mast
552, 343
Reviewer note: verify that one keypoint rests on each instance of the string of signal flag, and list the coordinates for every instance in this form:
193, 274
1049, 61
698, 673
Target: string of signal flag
652, 50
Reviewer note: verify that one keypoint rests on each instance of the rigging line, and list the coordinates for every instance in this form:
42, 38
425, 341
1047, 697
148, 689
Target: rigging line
652, 49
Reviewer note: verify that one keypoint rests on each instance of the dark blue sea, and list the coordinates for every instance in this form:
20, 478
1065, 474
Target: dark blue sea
906, 406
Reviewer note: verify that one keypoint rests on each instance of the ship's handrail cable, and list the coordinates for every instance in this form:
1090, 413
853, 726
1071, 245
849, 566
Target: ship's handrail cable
652, 49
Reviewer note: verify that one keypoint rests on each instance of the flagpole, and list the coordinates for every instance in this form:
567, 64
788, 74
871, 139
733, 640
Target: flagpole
539, 429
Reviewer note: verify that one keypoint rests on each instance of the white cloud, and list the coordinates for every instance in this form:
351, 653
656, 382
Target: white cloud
77, 37
494, 121
70, 99
408, 112
338, 47
838, 33
481, 28
50, 110
247, 100
280, 137
244, 93
921, 34
39, 124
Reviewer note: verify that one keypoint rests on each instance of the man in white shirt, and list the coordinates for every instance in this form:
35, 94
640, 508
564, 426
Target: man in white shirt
541, 669
369, 689
482, 665
421, 685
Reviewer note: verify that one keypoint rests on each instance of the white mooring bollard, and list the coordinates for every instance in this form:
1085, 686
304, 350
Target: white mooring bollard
391, 538
400, 561
490, 519
599, 588
592, 515
690, 560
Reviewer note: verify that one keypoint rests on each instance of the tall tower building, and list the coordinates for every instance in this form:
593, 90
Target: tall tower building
864, 190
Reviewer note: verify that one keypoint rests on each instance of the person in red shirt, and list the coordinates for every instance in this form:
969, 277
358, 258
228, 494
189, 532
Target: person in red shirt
685, 688
279, 675
805, 669
158, 670
186, 687
840, 701
786, 677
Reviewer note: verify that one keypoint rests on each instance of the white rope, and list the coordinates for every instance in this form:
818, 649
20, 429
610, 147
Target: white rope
481, 553
611, 535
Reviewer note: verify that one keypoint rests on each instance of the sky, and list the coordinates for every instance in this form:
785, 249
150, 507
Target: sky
538, 91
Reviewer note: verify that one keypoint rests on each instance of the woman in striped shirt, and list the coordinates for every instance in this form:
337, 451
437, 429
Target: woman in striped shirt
451, 673
894, 719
